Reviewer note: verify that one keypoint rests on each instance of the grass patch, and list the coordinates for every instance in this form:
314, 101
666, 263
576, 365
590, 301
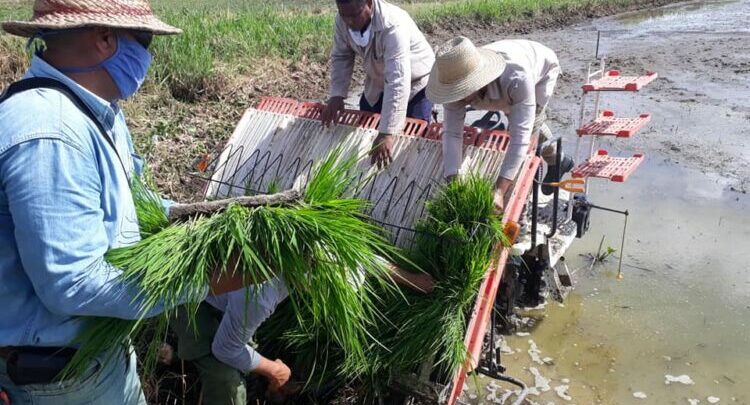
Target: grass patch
217, 45
225, 39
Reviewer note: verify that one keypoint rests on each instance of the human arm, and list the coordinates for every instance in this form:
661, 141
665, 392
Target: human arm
342, 66
520, 125
244, 312
545, 87
420, 282
396, 92
453, 126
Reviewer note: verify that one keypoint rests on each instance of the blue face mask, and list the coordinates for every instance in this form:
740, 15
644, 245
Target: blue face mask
127, 66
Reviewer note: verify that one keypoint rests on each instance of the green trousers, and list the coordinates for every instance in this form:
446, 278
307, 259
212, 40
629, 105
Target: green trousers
222, 384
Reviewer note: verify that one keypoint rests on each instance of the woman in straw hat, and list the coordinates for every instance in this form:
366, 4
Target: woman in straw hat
516, 77
66, 158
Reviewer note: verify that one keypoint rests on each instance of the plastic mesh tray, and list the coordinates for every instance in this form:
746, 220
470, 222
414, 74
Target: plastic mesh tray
612, 81
278, 105
608, 125
435, 132
601, 165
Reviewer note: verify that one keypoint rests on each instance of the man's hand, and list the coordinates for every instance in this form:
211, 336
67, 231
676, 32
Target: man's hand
276, 372
332, 110
421, 282
382, 150
502, 188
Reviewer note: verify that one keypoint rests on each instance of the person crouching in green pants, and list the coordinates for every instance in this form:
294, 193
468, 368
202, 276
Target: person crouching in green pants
218, 341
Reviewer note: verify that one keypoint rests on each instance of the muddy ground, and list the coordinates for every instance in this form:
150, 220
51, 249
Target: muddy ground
681, 310
701, 102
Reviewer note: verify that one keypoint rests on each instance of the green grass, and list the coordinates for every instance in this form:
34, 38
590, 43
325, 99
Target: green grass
455, 243
225, 39
225, 44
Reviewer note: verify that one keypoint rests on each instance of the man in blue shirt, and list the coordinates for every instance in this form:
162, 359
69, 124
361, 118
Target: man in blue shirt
65, 199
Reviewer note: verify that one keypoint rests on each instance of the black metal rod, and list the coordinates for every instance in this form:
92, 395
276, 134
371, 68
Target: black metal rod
556, 198
626, 213
502, 377
535, 199
622, 246
494, 364
598, 35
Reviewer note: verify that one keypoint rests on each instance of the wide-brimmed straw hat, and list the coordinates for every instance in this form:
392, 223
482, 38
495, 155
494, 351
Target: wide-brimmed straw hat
461, 69
68, 14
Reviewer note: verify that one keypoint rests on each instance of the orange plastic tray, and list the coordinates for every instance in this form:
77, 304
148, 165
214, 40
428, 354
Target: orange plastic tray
612, 81
601, 165
435, 132
415, 127
278, 105
607, 124
497, 140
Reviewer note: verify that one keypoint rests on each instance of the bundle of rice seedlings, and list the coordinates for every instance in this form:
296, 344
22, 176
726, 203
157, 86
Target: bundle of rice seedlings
454, 244
318, 245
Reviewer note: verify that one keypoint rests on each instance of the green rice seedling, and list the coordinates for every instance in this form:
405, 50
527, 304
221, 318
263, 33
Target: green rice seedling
149, 208
318, 245
274, 186
455, 244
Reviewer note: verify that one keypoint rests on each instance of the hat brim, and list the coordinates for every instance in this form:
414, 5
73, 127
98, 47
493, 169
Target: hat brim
147, 23
490, 67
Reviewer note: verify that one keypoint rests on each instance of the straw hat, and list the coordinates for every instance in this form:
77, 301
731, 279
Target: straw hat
460, 69
66, 14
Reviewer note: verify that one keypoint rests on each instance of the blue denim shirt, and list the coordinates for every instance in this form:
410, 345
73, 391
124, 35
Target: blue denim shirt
64, 202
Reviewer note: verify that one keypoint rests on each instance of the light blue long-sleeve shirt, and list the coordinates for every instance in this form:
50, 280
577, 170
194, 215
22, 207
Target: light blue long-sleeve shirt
244, 311
64, 202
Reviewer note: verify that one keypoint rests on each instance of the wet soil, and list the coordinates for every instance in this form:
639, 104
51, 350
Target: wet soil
682, 307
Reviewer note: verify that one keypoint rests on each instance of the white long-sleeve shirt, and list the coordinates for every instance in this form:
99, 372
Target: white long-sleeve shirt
244, 311
397, 63
526, 84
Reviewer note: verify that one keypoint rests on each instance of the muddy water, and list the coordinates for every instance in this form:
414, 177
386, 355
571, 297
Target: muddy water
683, 307
724, 16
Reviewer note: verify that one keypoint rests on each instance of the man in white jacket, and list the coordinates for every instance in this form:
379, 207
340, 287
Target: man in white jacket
516, 77
217, 343
397, 61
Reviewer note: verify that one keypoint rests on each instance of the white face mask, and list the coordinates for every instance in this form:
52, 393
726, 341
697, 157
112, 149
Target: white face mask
361, 39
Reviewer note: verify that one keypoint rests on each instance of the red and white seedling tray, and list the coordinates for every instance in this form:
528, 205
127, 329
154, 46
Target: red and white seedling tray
612, 81
601, 165
608, 125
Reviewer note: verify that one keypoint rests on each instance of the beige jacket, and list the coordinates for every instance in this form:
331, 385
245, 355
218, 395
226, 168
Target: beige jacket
397, 63
524, 87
